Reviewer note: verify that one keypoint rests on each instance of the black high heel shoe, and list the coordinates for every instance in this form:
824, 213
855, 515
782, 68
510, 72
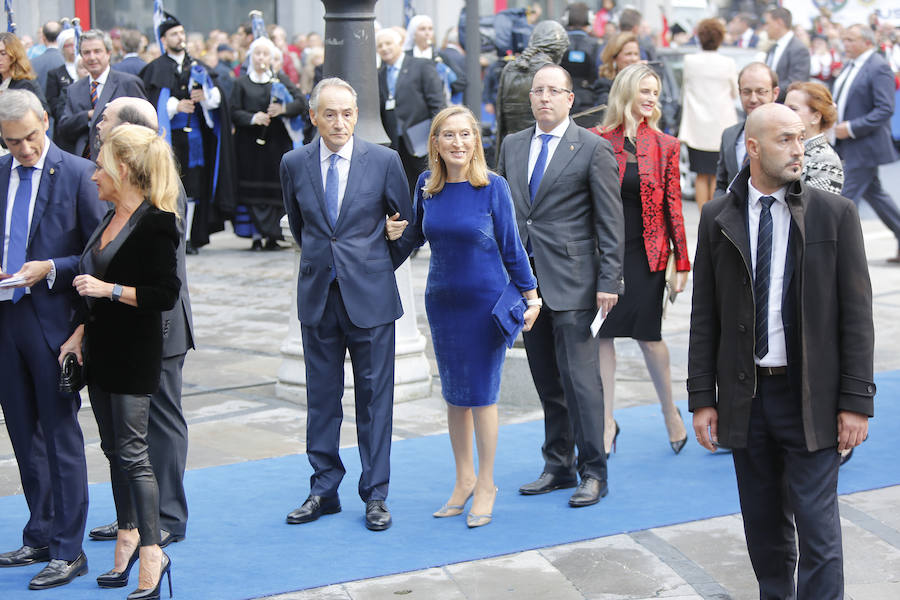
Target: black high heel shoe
615, 437
679, 444
116, 579
165, 568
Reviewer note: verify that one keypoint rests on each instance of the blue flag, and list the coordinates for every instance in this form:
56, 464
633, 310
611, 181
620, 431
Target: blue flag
408, 12
158, 17
10, 17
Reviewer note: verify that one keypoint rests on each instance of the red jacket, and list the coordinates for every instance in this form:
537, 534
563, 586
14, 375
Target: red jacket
657, 160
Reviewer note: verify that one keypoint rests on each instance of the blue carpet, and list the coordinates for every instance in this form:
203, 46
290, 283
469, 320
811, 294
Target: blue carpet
239, 547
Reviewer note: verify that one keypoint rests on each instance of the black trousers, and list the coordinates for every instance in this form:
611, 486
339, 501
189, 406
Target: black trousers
778, 478
372, 357
564, 359
123, 420
167, 436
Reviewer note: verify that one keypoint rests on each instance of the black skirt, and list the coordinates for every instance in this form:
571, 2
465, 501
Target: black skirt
703, 162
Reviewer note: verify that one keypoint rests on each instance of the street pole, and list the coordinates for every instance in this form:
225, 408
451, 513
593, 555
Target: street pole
473, 56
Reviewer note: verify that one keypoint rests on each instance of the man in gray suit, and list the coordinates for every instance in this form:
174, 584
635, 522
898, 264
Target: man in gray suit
758, 85
788, 56
51, 58
167, 435
564, 182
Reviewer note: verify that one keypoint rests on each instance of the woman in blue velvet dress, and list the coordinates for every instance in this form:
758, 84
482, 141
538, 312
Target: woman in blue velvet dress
467, 216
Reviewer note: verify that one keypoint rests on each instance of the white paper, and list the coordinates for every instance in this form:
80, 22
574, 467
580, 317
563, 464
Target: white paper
597, 322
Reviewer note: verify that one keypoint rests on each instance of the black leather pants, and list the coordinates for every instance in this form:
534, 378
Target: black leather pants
122, 420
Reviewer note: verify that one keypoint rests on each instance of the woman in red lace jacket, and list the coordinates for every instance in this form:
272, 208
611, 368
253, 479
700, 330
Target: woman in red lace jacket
654, 227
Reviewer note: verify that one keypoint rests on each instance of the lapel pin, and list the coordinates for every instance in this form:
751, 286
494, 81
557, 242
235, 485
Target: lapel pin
572, 147
51, 170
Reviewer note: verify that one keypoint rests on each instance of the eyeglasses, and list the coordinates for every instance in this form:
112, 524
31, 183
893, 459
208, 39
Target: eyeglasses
449, 136
554, 91
746, 93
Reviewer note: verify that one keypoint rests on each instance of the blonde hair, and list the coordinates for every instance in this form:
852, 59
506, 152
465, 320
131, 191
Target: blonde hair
477, 173
148, 158
624, 90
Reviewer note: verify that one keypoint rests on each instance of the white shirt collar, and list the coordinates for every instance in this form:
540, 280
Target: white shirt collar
345, 152
257, 78
862, 58
426, 53
102, 79
178, 58
753, 194
557, 131
39, 165
399, 62
785, 39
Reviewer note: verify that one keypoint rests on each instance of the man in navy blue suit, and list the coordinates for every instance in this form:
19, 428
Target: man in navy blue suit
88, 97
337, 193
864, 94
48, 209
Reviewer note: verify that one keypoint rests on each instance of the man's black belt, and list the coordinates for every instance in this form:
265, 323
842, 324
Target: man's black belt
770, 371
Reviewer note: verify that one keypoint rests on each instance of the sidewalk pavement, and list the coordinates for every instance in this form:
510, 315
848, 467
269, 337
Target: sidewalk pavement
241, 304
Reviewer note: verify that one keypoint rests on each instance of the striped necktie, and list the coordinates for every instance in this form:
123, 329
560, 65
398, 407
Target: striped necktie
761, 281
94, 95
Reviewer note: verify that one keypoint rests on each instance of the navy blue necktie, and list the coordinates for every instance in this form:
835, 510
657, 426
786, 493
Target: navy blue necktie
761, 281
18, 227
332, 182
538, 173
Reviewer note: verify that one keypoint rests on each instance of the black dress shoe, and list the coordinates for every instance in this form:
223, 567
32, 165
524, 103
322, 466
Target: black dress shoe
190, 249
167, 537
313, 508
26, 555
59, 572
272, 245
547, 482
105, 533
378, 517
589, 492
256, 246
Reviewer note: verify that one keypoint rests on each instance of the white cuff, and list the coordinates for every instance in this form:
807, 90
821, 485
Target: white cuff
213, 101
51, 276
172, 106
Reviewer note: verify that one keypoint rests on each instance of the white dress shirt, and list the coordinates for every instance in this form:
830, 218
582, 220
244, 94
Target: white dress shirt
845, 81
781, 227
342, 165
740, 149
536, 143
7, 293
780, 45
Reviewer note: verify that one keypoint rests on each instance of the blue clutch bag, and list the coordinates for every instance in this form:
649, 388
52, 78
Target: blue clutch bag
509, 313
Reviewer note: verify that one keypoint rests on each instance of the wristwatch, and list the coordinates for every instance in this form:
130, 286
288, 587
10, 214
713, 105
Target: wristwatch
116, 292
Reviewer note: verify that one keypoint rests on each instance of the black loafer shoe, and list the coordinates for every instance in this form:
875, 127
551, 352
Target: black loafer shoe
589, 492
59, 572
378, 517
547, 482
167, 537
26, 555
313, 508
105, 533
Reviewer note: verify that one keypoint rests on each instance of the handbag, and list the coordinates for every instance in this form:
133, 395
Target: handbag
671, 274
509, 313
71, 374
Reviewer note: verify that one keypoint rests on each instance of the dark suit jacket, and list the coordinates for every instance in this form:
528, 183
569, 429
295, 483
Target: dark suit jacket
66, 211
51, 59
178, 323
870, 104
575, 226
728, 166
793, 65
830, 338
354, 248
58, 80
123, 344
32, 86
75, 123
130, 64
419, 94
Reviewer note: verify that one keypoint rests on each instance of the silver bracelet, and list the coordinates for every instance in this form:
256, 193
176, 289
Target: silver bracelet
535, 302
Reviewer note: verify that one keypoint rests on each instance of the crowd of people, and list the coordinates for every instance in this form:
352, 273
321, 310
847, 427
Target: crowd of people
125, 154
